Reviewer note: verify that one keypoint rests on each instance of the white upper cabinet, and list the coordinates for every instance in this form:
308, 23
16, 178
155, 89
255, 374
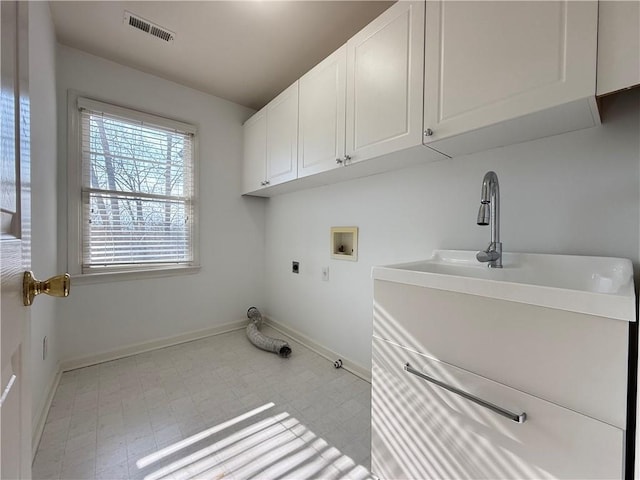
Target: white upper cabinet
458, 76
255, 152
271, 143
531, 64
618, 45
321, 122
384, 83
282, 137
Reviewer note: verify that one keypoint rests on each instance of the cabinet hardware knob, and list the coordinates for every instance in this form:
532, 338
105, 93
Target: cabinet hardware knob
267, 182
263, 183
428, 132
338, 161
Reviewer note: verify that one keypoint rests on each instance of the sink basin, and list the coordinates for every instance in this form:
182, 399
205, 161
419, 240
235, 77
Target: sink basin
600, 286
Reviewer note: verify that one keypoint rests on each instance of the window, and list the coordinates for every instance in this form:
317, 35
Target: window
136, 209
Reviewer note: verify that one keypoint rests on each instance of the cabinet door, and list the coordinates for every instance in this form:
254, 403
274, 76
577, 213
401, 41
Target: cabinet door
513, 343
384, 83
618, 45
421, 430
321, 127
282, 136
255, 152
489, 62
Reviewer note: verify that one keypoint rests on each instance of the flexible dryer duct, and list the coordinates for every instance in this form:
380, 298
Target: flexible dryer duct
260, 340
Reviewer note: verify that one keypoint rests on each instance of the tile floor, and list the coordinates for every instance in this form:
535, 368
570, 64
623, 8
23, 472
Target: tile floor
213, 408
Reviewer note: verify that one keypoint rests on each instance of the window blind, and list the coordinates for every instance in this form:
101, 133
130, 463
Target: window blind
137, 191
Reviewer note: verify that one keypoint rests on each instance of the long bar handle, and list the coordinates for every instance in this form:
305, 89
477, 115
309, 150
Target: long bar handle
7, 389
516, 417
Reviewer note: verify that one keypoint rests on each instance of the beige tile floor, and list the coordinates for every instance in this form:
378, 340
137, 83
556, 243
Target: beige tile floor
215, 408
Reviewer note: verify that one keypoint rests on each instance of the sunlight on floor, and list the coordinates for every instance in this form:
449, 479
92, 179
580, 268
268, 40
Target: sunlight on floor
257, 443
212, 408
149, 459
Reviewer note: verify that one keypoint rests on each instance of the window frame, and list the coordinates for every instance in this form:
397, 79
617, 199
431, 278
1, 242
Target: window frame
74, 230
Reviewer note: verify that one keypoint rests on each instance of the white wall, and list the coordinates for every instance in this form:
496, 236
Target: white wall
42, 88
576, 193
108, 316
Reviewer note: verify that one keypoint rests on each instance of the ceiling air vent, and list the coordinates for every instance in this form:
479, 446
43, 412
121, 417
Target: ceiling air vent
148, 27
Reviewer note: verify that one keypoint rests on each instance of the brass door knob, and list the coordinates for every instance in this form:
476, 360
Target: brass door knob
58, 286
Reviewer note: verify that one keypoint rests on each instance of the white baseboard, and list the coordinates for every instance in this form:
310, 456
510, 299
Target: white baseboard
347, 364
43, 411
80, 362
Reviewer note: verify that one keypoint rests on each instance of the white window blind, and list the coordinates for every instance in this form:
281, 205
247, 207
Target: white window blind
137, 190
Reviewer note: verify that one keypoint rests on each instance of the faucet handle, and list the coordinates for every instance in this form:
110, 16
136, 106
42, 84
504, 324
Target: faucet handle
487, 255
492, 255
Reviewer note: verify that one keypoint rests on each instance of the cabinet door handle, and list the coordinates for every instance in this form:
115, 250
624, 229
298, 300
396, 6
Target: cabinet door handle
7, 389
343, 160
428, 132
516, 417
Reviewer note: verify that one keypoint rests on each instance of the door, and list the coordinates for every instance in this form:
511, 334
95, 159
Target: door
15, 245
255, 152
385, 83
490, 62
282, 137
321, 127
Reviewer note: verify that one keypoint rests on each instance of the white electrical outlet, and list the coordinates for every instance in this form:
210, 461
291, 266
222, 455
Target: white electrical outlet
325, 274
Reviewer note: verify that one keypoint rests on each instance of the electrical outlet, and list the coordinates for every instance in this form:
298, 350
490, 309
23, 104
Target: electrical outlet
325, 274
295, 267
45, 348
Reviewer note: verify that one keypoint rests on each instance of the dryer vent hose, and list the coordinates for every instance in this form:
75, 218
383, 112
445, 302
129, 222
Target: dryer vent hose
260, 340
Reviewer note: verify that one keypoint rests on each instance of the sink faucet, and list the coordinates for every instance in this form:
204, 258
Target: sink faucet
489, 214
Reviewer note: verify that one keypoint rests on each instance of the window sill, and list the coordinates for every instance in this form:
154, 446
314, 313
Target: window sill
128, 275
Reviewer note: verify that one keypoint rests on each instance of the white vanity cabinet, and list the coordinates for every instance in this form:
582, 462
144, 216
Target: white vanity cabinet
498, 73
384, 83
618, 45
321, 122
519, 372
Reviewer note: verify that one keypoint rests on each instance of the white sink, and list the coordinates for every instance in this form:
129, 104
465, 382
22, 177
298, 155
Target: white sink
600, 286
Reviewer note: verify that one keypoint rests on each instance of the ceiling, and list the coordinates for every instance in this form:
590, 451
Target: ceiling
243, 51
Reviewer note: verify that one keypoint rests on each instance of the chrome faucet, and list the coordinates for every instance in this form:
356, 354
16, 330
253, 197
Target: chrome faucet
489, 214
